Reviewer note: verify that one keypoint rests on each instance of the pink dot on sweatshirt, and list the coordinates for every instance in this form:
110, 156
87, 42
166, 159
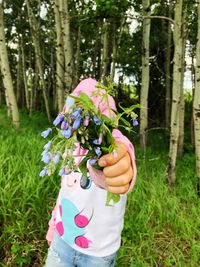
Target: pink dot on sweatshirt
82, 242
81, 221
60, 228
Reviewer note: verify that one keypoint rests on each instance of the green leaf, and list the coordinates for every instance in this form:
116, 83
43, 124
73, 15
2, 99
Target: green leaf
129, 109
105, 150
15, 248
112, 197
84, 100
83, 166
125, 122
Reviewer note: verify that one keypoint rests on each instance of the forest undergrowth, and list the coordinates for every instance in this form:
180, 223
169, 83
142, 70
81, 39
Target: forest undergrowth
162, 224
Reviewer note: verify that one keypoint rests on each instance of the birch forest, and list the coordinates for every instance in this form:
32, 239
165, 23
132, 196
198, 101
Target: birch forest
150, 51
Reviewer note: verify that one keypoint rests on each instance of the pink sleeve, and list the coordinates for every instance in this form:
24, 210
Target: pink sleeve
98, 176
51, 230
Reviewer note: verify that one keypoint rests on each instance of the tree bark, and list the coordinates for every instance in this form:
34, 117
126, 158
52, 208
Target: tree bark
193, 88
145, 74
19, 84
67, 44
196, 105
115, 43
182, 100
168, 77
27, 91
176, 92
34, 30
7, 79
114, 53
96, 57
59, 57
104, 62
77, 58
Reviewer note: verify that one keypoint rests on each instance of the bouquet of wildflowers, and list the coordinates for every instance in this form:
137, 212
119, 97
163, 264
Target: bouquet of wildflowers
83, 123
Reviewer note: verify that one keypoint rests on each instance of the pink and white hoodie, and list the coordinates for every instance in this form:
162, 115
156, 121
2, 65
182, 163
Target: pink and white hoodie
81, 216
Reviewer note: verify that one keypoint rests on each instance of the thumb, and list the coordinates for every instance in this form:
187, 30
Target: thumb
112, 158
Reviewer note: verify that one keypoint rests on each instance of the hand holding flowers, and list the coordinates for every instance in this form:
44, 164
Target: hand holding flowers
117, 169
83, 123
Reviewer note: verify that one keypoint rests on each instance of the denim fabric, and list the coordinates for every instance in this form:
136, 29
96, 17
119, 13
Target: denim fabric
62, 255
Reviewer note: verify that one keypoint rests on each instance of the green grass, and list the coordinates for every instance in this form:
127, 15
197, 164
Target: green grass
162, 224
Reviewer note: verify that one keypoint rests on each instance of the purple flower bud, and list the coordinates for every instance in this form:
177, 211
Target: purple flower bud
56, 158
135, 122
47, 146
64, 125
45, 133
96, 142
44, 152
76, 113
61, 172
77, 123
43, 172
100, 138
96, 120
58, 119
98, 151
66, 133
92, 162
86, 120
46, 157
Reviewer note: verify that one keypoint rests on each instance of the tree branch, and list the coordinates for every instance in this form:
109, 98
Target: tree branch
159, 17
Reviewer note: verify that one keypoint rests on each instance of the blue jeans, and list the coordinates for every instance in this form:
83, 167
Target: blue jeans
62, 255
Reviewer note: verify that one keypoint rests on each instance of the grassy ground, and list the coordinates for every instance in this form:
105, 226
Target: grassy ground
162, 224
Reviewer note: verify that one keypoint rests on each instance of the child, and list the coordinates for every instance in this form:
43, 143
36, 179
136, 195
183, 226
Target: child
83, 230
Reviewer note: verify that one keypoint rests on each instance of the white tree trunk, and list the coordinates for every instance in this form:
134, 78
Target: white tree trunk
176, 92
193, 88
59, 57
182, 100
27, 91
77, 58
145, 74
114, 53
34, 29
104, 61
196, 104
67, 43
116, 42
19, 83
168, 71
7, 79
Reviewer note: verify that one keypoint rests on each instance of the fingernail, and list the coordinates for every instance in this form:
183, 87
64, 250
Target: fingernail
102, 163
115, 154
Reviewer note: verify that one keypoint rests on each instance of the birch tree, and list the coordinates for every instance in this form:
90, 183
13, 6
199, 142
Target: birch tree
59, 56
34, 30
182, 100
67, 44
116, 42
196, 104
5, 70
176, 91
104, 65
23, 58
168, 69
145, 73
19, 83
